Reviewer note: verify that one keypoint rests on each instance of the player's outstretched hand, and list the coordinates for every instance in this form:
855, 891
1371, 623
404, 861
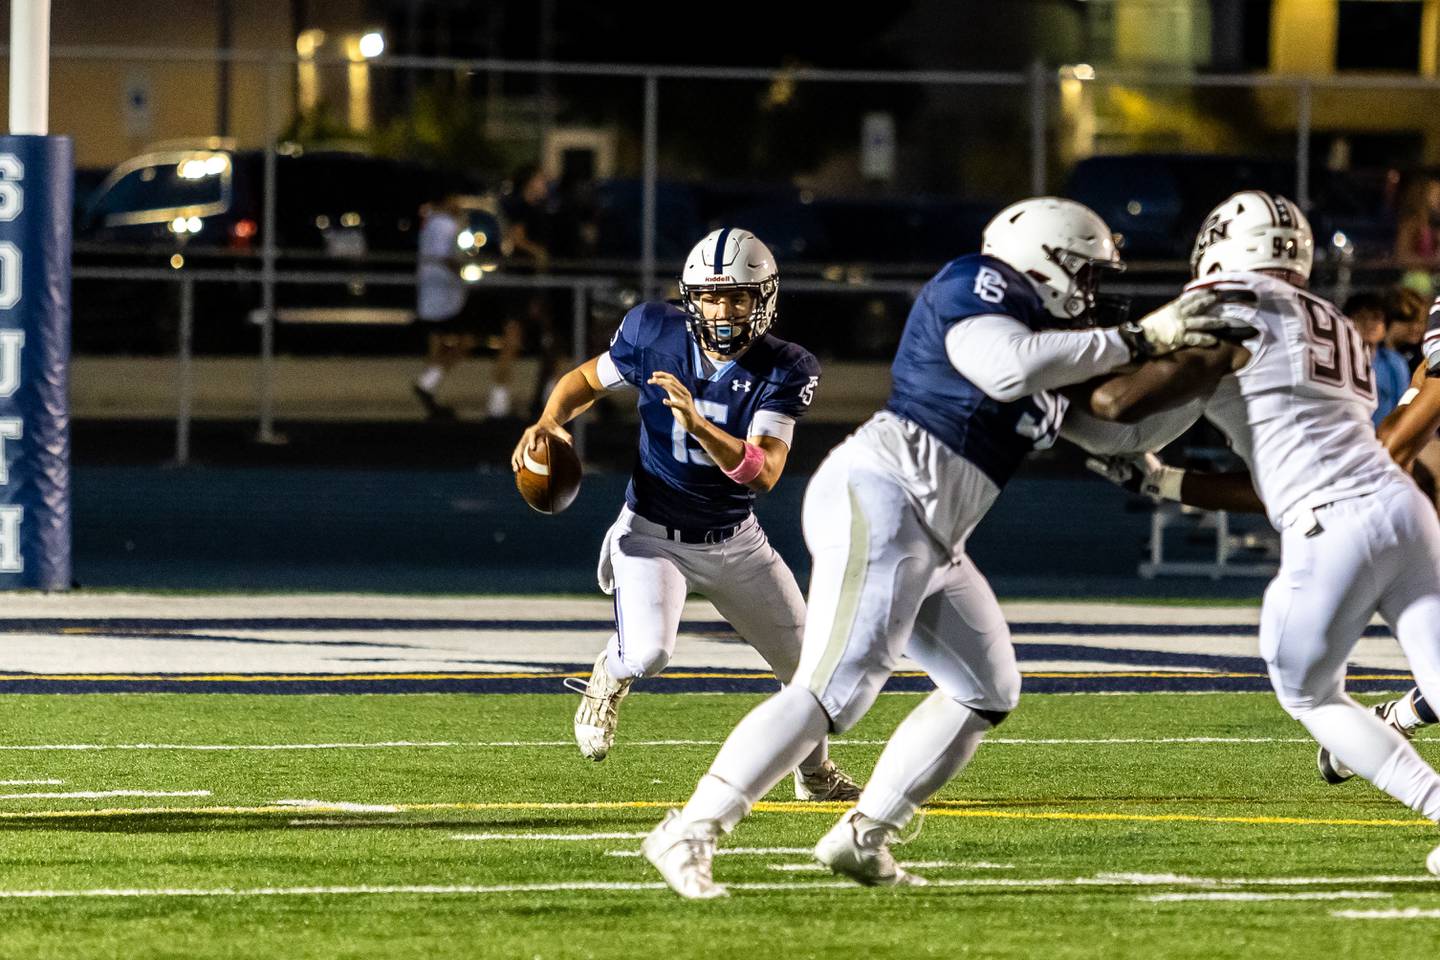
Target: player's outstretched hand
678, 399
1120, 470
530, 440
1145, 474
1179, 323
1209, 311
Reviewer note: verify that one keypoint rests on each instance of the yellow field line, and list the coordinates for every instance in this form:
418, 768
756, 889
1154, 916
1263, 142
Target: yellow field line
673, 675
942, 808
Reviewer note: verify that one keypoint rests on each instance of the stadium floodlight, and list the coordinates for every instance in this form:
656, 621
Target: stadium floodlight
372, 44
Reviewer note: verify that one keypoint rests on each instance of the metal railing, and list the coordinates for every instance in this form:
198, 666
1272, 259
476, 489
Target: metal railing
1034, 121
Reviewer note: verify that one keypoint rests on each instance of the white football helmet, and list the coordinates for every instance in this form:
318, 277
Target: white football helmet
1063, 247
730, 259
1254, 231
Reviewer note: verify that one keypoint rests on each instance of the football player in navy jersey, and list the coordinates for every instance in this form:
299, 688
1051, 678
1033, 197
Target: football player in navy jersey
886, 518
719, 398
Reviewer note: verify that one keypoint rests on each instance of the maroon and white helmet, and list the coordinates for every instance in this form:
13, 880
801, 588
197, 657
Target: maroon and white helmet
1254, 231
730, 259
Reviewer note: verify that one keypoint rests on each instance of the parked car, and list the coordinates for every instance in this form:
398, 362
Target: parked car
203, 207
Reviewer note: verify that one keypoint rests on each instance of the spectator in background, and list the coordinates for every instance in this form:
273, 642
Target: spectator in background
1392, 374
1406, 312
439, 300
533, 223
531, 217
443, 306
1417, 247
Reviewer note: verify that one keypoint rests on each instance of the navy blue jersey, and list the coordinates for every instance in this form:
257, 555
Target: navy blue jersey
674, 481
929, 391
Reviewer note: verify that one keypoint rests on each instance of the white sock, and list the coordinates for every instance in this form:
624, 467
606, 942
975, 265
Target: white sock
717, 802
762, 749
613, 664
929, 747
817, 757
1412, 781
1367, 745
430, 378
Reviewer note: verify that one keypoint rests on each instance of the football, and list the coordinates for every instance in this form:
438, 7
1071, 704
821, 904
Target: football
549, 478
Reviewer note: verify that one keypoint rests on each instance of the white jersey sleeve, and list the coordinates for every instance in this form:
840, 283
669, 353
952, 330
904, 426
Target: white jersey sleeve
1431, 343
1298, 412
1105, 438
1007, 360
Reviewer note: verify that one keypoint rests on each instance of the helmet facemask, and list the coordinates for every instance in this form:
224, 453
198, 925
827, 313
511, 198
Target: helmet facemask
731, 335
1080, 302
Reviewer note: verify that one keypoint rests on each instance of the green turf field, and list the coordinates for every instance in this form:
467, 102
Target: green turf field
1042, 849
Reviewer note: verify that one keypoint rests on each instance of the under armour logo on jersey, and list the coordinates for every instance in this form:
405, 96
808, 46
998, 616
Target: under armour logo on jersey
738, 385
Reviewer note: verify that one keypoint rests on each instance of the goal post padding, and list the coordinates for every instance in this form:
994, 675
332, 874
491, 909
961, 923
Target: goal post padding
36, 202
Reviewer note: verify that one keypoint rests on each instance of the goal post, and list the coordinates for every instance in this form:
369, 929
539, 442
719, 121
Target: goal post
36, 203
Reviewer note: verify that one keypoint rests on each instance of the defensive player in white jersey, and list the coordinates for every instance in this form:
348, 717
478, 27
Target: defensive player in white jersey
1293, 393
886, 518
719, 397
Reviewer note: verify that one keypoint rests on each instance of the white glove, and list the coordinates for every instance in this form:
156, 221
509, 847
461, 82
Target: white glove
1145, 474
1180, 323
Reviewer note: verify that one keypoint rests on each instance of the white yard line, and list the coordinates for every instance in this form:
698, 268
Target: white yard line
101, 794
502, 744
1265, 897
221, 747
598, 886
732, 852
821, 868
557, 837
1408, 913
368, 823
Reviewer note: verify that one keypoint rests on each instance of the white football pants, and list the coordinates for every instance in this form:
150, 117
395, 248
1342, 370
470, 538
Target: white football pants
746, 580
883, 587
1376, 553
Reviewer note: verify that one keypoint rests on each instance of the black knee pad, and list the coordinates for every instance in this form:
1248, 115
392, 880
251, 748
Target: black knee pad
992, 717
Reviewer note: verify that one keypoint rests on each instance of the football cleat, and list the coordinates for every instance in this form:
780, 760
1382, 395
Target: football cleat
684, 855
1432, 862
859, 848
827, 784
599, 712
1333, 771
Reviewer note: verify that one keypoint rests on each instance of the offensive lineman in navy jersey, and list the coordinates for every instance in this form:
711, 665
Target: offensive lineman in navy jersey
719, 398
886, 519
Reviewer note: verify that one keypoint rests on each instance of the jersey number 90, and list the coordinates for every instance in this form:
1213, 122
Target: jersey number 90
1337, 354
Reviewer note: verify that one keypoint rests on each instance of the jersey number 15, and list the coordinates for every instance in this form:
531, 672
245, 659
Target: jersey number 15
680, 448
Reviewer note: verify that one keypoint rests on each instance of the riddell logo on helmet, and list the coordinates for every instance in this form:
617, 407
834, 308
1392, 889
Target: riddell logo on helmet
721, 278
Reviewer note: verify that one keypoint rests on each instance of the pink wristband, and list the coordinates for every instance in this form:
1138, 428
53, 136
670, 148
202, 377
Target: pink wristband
750, 465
